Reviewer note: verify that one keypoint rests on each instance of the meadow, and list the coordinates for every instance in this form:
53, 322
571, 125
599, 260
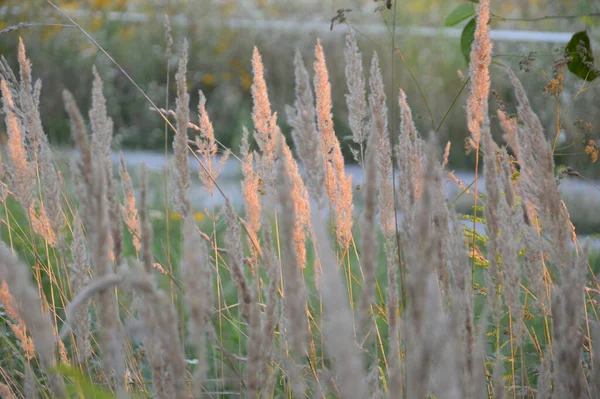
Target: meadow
116, 283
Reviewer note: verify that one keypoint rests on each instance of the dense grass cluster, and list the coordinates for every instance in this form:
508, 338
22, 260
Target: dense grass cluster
303, 293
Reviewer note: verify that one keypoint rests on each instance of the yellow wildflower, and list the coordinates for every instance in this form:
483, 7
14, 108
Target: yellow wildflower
208, 79
199, 216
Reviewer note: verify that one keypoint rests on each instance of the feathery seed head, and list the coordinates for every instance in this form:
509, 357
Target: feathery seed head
180, 142
481, 56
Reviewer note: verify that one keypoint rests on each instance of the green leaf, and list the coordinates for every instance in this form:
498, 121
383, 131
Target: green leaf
466, 39
582, 62
471, 218
81, 385
459, 14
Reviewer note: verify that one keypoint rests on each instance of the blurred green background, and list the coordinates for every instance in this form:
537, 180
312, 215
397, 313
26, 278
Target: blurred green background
222, 33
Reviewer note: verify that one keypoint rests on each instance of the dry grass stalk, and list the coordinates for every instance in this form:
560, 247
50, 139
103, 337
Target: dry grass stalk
374, 384
108, 314
267, 134
535, 264
49, 219
128, 209
492, 218
446, 154
424, 311
256, 361
510, 126
22, 172
173, 376
24, 67
356, 97
294, 298
93, 195
161, 335
409, 155
180, 142
207, 148
379, 126
368, 237
461, 184
537, 183
440, 220
233, 246
396, 374
338, 329
115, 222
544, 386
94, 287
305, 135
271, 319
146, 236
6, 392
375, 168
101, 125
510, 222
29, 102
28, 307
251, 188
567, 307
3, 187
462, 305
30, 387
329, 144
409, 158
448, 371
301, 204
197, 272
594, 379
62, 353
498, 377
481, 57
40, 223
17, 325
294, 373
102, 135
52, 191
83, 165
261, 112
476, 372
79, 278
338, 185
161, 339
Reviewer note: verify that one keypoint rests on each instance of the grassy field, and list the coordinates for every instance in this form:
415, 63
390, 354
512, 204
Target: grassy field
115, 283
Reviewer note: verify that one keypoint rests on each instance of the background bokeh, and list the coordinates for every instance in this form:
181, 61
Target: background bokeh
222, 33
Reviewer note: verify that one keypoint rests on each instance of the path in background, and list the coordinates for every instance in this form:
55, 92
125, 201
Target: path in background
231, 176
317, 23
